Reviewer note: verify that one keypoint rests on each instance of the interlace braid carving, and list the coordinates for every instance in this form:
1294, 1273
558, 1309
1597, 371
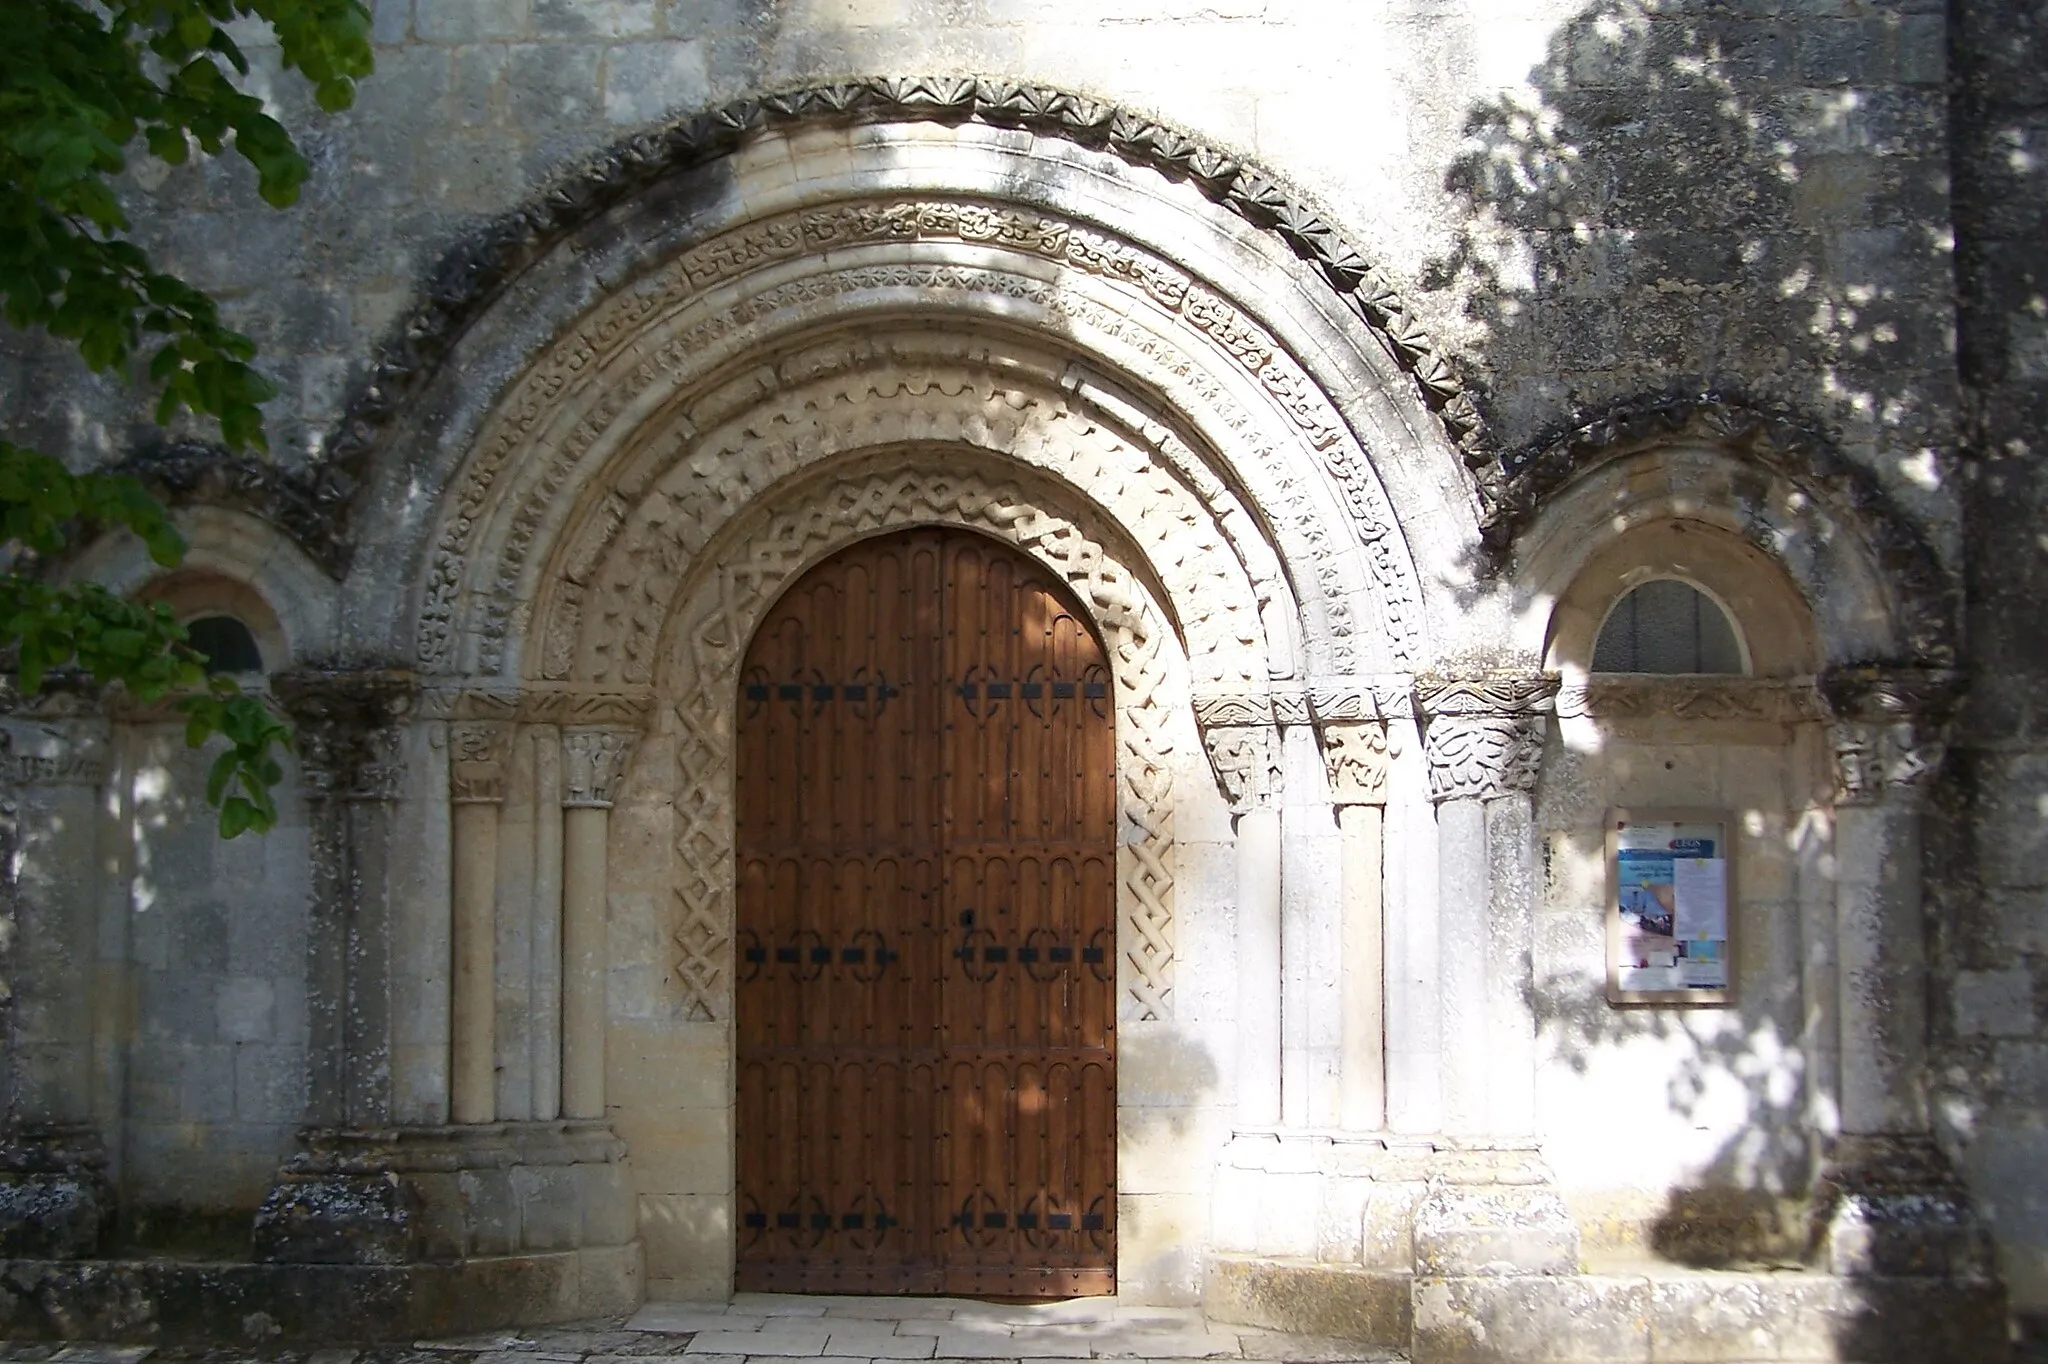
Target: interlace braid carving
726, 603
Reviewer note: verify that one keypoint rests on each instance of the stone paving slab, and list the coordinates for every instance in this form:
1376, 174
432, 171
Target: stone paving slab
759, 1328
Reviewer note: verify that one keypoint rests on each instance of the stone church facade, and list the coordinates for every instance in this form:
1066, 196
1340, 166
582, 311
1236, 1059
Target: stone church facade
1366, 386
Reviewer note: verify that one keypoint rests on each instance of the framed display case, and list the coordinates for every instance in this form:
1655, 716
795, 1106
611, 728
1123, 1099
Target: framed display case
1670, 912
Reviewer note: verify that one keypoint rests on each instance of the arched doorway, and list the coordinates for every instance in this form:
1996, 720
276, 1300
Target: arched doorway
925, 1006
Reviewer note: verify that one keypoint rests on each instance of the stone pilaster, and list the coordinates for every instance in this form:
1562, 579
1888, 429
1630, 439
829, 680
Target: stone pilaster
56, 1197
1888, 1202
1492, 1213
352, 748
1244, 752
351, 744
478, 751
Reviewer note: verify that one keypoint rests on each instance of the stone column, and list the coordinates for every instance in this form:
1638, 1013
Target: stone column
1492, 1213
1484, 742
477, 753
1245, 760
593, 761
1356, 754
351, 749
1890, 1203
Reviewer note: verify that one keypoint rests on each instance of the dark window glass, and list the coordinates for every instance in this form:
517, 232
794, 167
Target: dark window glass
227, 644
1667, 626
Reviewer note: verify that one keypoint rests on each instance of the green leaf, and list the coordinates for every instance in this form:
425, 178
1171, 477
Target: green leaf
237, 816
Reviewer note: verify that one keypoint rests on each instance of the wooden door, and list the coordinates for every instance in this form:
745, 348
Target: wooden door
926, 872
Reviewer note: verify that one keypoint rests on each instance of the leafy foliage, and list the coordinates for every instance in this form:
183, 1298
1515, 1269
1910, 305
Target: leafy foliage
79, 85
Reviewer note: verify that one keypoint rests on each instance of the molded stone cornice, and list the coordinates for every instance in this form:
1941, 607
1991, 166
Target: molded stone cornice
1880, 694
1503, 693
621, 708
1768, 700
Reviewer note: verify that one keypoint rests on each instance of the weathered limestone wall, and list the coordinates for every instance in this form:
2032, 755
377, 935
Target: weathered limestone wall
216, 1056
1991, 893
1587, 202
1688, 1132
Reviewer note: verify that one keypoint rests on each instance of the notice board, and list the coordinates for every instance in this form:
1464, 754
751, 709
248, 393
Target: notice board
1670, 907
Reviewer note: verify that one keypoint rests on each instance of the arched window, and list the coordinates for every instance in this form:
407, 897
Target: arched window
228, 645
1667, 626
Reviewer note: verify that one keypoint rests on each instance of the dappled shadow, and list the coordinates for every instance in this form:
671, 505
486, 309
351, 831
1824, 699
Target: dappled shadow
1684, 198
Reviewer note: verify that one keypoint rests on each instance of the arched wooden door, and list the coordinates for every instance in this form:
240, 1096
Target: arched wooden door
926, 976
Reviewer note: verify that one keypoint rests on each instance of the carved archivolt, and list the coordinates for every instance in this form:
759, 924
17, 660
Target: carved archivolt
729, 589
620, 576
476, 271
574, 406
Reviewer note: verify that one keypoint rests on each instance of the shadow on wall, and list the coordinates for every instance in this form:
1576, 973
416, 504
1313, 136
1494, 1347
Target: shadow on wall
1739, 1069
1684, 197
1689, 195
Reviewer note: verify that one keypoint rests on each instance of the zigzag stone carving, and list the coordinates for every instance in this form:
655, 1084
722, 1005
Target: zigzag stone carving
723, 602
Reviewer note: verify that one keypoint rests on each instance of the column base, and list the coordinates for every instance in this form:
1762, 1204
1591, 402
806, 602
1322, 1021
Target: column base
444, 1194
1894, 1207
55, 1199
1493, 1212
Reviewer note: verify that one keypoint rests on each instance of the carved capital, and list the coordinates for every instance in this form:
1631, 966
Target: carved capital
350, 741
593, 761
1875, 763
1246, 763
1482, 757
1891, 730
1356, 754
478, 753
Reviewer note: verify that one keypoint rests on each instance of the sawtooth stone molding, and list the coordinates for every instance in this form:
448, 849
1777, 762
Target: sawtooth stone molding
476, 271
1928, 604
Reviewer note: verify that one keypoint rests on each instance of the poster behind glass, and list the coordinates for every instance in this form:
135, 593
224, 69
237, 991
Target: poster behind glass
1669, 926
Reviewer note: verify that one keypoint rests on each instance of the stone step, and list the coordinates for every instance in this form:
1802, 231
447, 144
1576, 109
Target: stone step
1667, 1314
1342, 1301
